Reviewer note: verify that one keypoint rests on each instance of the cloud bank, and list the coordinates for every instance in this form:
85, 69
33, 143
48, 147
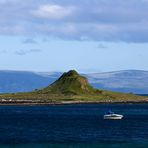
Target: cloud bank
98, 20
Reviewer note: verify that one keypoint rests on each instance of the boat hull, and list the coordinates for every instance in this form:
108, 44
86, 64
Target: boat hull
113, 117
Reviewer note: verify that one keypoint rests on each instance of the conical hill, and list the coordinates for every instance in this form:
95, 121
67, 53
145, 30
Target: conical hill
72, 87
70, 83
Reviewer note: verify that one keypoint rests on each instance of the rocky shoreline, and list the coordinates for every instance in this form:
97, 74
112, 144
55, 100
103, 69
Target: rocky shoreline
30, 102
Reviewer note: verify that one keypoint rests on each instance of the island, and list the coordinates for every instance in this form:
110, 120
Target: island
71, 87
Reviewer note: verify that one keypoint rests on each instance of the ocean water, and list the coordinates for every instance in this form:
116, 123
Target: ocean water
70, 126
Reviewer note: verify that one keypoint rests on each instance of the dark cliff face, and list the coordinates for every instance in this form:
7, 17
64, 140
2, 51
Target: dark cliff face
70, 83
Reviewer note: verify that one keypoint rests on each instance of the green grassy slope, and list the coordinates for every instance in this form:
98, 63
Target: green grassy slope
72, 87
70, 83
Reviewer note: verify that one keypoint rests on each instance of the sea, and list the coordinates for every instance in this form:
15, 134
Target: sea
73, 126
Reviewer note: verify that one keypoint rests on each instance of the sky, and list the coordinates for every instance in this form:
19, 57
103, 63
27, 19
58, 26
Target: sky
85, 35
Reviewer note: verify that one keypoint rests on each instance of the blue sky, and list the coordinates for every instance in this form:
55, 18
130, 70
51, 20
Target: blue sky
86, 35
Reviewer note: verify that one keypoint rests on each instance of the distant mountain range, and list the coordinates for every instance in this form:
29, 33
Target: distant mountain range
23, 81
130, 81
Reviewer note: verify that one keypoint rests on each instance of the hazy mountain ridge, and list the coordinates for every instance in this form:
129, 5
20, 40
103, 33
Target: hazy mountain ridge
124, 81
23, 81
134, 81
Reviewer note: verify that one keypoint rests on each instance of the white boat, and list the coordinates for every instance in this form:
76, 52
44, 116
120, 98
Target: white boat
112, 115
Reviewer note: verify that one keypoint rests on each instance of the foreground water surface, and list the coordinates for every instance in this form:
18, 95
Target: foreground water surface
80, 125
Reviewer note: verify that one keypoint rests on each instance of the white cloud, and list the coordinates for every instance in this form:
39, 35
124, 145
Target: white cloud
53, 11
101, 20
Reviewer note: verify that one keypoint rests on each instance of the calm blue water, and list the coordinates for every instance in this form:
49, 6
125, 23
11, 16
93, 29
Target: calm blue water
73, 126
